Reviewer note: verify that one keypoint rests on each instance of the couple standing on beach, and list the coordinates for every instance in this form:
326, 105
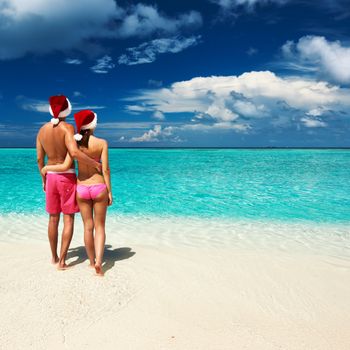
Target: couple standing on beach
90, 193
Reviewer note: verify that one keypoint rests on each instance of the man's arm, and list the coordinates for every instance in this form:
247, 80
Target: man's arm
74, 151
58, 167
40, 156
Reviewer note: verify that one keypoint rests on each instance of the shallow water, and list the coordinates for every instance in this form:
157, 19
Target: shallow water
238, 184
331, 241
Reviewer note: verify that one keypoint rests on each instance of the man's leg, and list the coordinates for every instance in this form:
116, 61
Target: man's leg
53, 235
67, 234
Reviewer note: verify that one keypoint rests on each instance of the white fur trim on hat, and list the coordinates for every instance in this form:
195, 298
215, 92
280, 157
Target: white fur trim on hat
78, 137
55, 121
67, 111
91, 125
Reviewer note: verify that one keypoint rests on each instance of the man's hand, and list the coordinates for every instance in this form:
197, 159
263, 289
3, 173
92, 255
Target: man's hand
41, 159
43, 171
98, 167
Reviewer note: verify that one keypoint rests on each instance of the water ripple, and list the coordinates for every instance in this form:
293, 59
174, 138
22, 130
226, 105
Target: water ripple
286, 185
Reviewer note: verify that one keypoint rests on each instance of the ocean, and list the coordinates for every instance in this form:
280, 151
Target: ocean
283, 185
284, 199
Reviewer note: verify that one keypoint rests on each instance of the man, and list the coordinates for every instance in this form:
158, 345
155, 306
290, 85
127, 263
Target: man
54, 140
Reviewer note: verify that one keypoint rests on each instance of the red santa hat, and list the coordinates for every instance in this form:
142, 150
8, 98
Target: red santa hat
84, 120
60, 107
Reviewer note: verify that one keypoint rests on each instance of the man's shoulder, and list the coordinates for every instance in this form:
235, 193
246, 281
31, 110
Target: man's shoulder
46, 125
66, 126
43, 127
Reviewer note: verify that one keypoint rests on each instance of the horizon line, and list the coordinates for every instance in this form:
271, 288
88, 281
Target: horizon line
205, 147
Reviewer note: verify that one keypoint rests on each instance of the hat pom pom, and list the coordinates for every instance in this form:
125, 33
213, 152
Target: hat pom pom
55, 121
78, 137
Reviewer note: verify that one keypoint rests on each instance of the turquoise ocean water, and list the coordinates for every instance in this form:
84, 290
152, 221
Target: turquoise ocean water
286, 185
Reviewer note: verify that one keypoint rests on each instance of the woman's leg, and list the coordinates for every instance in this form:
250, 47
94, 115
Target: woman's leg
100, 209
85, 207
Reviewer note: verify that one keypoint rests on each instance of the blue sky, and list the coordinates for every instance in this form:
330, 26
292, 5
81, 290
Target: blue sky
218, 73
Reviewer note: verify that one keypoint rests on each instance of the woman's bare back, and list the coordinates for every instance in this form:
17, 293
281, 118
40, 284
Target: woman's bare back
88, 175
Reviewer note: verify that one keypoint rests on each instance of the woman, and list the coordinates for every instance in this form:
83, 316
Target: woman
94, 192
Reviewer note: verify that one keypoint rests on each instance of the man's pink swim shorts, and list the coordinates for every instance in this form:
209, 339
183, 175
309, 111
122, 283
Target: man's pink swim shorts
61, 193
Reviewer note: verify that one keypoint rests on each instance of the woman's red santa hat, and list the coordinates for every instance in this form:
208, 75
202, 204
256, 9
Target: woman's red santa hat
84, 120
60, 107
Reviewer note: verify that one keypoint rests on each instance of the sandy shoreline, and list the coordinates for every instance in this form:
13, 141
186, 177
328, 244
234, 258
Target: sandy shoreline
174, 298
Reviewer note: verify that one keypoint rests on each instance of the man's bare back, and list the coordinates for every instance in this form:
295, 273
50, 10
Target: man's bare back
53, 140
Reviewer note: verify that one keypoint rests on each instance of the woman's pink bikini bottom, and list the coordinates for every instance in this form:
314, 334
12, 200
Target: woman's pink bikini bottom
90, 192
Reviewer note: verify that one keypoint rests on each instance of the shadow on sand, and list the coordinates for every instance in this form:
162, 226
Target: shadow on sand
111, 256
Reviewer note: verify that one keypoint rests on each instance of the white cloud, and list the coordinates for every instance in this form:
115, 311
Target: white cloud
316, 112
17, 131
154, 135
330, 59
77, 94
333, 5
76, 107
313, 123
135, 109
30, 104
36, 106
340, 8
252, 51
125, 125
74, 61
175, 131
147, 52
103, 65
41, 26
251, 100
220, 126
247, 108
156, 83
158, 115
248, 4
256, 89
218, 111
142, 20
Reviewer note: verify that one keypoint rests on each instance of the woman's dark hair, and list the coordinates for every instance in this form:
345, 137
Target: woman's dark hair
85, 140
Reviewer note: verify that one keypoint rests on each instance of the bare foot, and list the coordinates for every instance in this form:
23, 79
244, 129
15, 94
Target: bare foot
63, 266
91, 266
55, 260
98, 269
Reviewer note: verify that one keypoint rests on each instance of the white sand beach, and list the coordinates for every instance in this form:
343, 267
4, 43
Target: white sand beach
173, 297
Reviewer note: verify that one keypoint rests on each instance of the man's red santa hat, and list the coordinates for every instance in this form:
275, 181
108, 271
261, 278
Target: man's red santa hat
60, 107
84, 120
